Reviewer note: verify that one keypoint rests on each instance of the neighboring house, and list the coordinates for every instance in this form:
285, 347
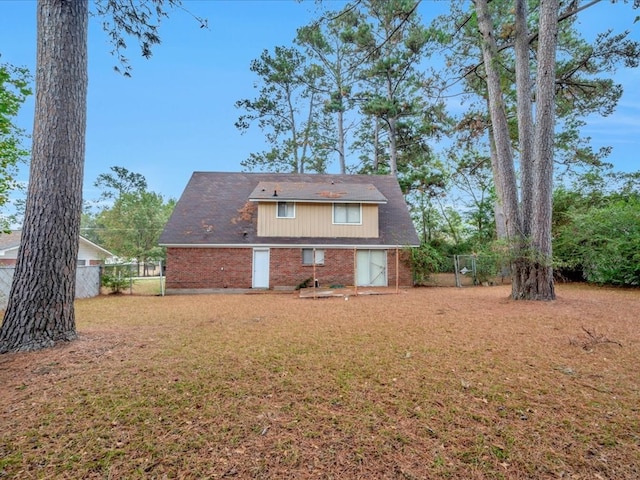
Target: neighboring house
270, 230
88, 252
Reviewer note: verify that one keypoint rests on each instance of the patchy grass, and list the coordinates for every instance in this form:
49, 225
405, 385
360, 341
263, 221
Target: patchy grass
147, 286
430, 383
140, 286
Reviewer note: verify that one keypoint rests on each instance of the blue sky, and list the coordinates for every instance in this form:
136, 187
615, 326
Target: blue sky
176, 114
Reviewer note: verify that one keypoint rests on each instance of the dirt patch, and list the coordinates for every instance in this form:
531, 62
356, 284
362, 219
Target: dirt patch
425, 383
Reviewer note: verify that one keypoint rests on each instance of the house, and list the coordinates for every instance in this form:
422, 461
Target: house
274, 230
88, 252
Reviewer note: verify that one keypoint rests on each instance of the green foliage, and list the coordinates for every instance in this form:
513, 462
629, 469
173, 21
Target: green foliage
305, 283
355, 87
583, 77
492, 260
132, 225
139, 21
596, 224
116, 278
330, 43
395, 90
289, 112
472, 177
601, 243
14, 90
119, 182
424, 261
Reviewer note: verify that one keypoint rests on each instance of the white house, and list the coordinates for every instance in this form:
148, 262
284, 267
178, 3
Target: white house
88, 252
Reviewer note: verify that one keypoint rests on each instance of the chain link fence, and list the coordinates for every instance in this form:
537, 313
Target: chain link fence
133, 278
469, 271
480, 270
87, 283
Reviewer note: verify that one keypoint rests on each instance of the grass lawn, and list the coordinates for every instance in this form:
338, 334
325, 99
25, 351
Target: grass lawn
430, 383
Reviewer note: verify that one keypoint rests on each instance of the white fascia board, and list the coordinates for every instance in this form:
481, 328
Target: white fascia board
284, 245
96, 246
306, 200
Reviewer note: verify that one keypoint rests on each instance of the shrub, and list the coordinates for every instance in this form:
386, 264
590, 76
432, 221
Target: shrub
602, 244
424, 261
116, 279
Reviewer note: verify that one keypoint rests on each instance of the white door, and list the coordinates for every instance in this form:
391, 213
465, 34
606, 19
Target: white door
260, 268
371, 268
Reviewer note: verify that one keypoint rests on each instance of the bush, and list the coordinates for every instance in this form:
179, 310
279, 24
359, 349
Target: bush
424, 261
116, 279
602, 244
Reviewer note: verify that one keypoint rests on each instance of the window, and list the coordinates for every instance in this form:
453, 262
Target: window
286, 210
346, 213
307, 256
81, 263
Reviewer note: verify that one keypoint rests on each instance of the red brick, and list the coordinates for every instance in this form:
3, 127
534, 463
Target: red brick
204, 268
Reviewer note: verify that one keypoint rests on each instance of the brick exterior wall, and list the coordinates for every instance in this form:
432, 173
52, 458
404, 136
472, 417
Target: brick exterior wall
286, 268
405, 275
213, 268
200, 268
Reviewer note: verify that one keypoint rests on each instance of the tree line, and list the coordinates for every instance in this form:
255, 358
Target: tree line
366, 88
369, 85
127, 219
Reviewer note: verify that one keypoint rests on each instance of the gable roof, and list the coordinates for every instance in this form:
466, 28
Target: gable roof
220, 208
11, 241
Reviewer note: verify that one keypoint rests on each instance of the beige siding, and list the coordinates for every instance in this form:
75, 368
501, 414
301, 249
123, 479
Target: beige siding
86, 252
314, 220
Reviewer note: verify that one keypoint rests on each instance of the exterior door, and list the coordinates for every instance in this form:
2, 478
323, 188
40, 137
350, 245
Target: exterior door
371, 268
260, 268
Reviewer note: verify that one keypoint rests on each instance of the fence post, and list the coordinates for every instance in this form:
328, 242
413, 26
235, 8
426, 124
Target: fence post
355, 271
161, 279
315, 279
474, 270
397, 270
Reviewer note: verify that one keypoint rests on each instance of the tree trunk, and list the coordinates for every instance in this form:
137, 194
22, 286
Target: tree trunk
531, 280
533, 273
525, 115
543, 152
498, 211
40, 311
376, 146
393, 147
297, 162
506, 184
307, 131
341, 135
392, 126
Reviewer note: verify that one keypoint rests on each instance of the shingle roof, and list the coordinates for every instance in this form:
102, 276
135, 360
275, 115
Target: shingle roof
215, 209
317, 192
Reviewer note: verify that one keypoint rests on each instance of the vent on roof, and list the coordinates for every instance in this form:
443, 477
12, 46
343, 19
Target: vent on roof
275, 193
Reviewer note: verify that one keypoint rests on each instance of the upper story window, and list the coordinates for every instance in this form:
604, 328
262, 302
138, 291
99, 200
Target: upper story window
347, 213
286, 210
